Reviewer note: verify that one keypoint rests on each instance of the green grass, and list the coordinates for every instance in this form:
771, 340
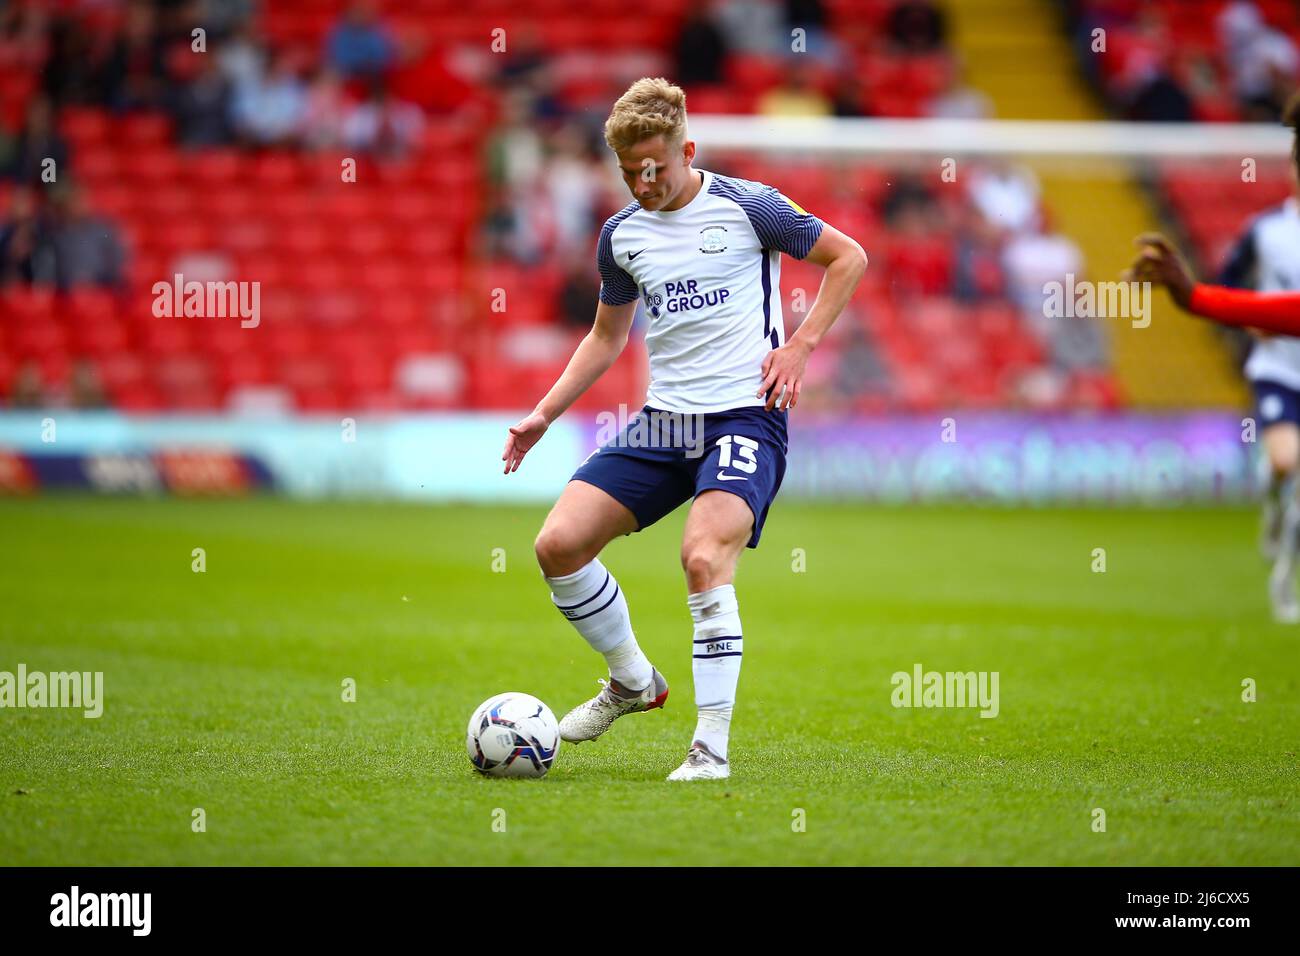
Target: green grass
1119, 690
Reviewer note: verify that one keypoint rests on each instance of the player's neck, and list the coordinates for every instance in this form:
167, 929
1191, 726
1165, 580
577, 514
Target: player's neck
690, 192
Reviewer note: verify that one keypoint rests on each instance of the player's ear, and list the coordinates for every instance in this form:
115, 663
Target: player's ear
688, 151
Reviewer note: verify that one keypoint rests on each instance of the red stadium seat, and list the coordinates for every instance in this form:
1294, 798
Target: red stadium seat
26, 305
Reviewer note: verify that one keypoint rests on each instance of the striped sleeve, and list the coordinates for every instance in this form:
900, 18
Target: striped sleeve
778, 222
616, 286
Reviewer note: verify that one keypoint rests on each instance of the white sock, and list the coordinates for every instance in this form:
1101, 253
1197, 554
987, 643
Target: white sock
716, 663
629, 666
1289, 540
1277, 492
593, 603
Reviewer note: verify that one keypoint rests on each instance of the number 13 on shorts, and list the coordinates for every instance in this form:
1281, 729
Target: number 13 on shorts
737, 451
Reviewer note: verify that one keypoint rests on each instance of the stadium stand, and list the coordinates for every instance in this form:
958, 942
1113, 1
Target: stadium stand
383, 294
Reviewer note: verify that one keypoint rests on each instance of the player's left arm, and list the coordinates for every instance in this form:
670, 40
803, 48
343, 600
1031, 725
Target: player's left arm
845, 263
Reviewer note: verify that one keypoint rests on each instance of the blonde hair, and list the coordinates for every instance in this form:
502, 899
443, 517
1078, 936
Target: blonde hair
650, 107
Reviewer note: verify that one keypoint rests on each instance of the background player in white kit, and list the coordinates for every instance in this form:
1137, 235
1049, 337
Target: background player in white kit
703, 251
1267, 259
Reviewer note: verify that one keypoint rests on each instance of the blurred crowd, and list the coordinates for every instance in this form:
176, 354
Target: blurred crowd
549, 177
366, 89
370, 87
1164, 63
366, 92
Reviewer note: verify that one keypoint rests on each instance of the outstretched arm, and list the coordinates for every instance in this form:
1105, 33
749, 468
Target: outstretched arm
1271, 311
844, 262
591, 359
1159, 262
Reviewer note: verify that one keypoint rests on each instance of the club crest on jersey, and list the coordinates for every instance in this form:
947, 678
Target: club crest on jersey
713, 239
653, 301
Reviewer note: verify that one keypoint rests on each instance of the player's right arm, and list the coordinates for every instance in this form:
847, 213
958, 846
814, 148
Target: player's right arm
1270, 311
1159, 262
597, 351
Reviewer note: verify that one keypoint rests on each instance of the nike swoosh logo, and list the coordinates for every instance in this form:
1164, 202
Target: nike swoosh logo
722, 477
633, 255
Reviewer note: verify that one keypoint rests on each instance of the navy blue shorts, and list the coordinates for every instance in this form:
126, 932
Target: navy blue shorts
662, 459
1275, 403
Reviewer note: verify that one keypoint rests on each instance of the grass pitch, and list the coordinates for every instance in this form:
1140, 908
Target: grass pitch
1119, 690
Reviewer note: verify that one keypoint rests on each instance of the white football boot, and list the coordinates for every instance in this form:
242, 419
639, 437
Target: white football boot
588, 721
701, 764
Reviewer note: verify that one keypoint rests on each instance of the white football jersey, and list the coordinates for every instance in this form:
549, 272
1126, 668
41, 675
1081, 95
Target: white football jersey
710, 277
1268, 259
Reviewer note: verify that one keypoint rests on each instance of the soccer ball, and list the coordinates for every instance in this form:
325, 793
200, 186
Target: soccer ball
512, 735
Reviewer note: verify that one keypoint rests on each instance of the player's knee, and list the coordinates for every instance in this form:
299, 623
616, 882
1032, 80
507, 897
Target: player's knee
703, 563
558, 552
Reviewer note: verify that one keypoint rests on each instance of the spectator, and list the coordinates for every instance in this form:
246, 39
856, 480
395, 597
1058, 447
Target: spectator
526, 74
1006, 196
516, 229
859, 368
1143, 81
752, 27
85, 389
908, 193
82, 248
850, 97
1263, 61
499, 227
808, 14
39, 141
579, 291
916, 26
272, 111
1161, 99
28, 388
573, 181
68, 72
1032, 260
514, 149
957, 100
817, 39
422, 77
383, 126
242, 60
26, 41
796, 96
225, 18
359, 46
701, 50
524, 57
977, 258
21, 236
132, 77
200, 105
326, 108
